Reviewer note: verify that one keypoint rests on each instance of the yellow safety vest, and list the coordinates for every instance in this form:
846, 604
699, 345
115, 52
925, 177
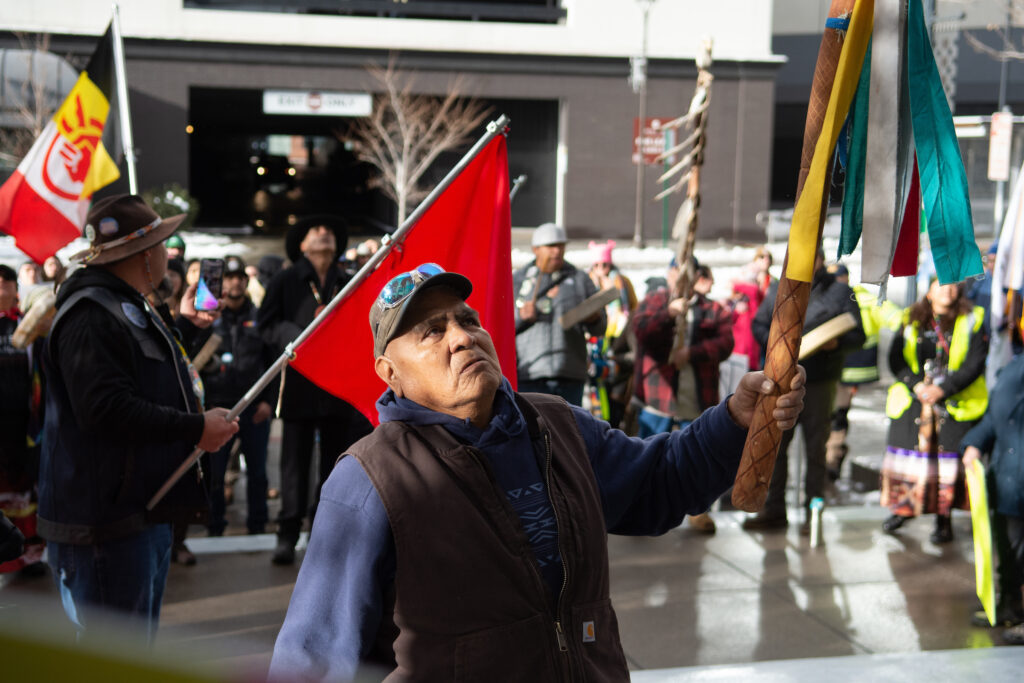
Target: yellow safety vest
969, 404
870, 315
870, 318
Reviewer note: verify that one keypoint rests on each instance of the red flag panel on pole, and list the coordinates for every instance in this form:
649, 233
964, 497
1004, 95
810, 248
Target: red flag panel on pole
468, 231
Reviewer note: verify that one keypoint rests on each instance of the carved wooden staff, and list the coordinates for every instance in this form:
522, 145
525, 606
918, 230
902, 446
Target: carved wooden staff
685, 229
764, 436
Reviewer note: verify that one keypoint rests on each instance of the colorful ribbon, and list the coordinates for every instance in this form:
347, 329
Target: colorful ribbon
803, 234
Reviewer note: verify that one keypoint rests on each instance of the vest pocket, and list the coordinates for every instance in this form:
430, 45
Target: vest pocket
594, 633
511, 652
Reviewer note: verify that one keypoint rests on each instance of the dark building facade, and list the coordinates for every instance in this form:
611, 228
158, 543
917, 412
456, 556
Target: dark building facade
198, 120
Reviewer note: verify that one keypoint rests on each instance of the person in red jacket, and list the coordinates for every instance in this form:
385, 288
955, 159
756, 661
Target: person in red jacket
748, 291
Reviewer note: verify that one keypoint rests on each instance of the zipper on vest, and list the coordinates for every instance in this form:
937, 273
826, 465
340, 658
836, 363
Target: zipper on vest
174, 352
177, 373
563, 644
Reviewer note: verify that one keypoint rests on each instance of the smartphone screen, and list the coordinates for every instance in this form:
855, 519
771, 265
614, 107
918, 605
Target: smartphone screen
211, 278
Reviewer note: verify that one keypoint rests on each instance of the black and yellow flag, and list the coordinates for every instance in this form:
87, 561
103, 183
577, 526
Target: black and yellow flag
44, 203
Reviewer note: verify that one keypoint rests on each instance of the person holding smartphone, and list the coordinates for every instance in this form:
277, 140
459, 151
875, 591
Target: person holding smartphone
238, 360
124, 408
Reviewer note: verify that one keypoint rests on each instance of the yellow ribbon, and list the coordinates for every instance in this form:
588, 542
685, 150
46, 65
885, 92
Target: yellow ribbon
803, 233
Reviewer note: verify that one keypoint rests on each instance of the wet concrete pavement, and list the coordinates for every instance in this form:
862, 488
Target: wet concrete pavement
691, 607
726, 601
733, 606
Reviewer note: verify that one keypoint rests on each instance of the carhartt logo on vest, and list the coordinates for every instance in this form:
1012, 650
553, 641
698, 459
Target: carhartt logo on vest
588, 632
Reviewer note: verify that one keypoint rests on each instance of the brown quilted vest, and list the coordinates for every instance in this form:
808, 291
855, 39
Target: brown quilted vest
469, 601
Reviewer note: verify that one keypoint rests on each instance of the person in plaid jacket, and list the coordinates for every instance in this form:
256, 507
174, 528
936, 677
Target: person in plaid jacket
710, 342
667, 404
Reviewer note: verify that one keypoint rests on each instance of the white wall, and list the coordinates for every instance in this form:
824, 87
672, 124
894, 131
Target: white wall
741, 28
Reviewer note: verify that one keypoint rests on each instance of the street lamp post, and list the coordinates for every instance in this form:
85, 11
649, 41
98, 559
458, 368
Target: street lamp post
638, 78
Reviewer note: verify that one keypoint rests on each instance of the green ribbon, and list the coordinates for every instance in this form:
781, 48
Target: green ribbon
853, 189
944, 194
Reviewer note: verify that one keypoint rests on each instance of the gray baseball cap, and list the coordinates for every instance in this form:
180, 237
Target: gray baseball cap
401, 292
548, 233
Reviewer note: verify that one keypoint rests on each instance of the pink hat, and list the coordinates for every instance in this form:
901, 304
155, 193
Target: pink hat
602, 252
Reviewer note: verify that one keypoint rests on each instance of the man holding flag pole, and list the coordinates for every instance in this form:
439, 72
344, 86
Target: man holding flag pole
123, 406
450, 523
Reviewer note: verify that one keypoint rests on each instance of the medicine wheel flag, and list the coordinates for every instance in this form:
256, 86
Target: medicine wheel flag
43, 205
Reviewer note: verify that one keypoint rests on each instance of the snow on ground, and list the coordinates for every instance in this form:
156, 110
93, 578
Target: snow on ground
200, 245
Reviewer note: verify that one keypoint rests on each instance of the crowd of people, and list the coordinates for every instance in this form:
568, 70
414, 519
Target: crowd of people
670, 352
126, 376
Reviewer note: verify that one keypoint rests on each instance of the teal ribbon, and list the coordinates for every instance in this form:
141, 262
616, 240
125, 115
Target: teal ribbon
853, 190
947, 204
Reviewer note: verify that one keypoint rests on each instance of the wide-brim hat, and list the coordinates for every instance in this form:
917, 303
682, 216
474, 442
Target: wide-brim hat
298, 232
122, 225
386, 321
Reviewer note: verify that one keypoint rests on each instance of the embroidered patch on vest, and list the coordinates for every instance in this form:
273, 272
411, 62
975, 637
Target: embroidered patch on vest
134, 314
588, 632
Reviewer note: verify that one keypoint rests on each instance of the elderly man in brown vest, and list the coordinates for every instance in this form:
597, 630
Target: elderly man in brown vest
465, 538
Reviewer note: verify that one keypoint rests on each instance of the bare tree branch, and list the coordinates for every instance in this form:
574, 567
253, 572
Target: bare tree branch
406, 132
34, 110
1007, 49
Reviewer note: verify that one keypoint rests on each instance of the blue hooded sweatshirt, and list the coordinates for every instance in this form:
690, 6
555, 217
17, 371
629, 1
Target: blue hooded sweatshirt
647, 487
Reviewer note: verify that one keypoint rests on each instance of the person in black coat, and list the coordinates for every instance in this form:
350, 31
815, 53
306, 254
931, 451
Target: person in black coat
236, 364
123, 412
294, 297
828, 299
1000, 434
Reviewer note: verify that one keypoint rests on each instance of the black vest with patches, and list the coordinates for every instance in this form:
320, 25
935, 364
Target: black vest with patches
111, 480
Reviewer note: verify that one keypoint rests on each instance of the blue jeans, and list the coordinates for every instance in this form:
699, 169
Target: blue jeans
570, 390
254, 439
126, 575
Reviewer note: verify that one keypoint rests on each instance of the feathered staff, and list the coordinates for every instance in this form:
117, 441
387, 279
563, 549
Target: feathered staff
899, 103
685, 227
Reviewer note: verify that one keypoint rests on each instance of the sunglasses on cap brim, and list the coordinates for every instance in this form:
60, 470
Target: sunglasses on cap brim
401, 286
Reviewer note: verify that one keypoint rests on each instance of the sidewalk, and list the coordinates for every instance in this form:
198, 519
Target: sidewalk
715, 605
733, 606
737, 597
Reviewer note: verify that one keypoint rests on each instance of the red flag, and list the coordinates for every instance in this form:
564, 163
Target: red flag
44, 203
467, 230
